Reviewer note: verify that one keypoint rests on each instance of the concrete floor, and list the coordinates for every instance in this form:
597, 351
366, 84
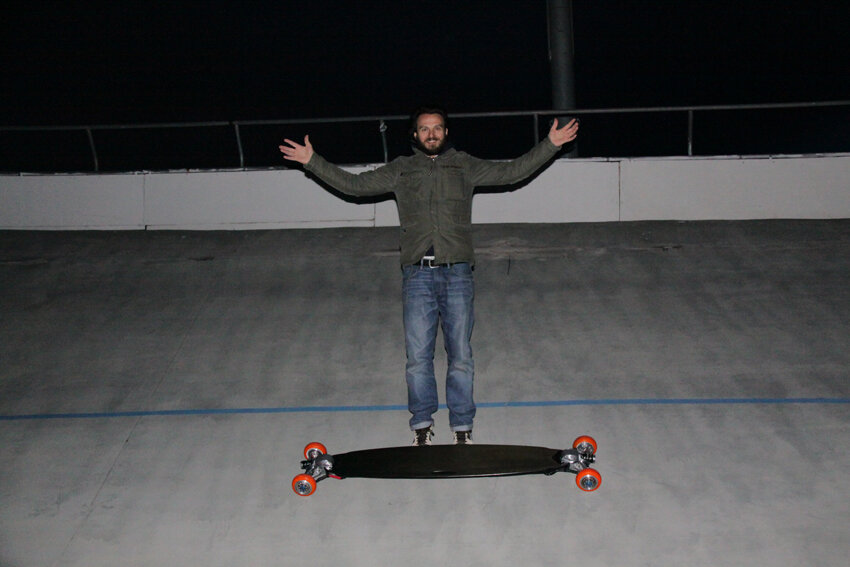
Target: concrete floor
157, 390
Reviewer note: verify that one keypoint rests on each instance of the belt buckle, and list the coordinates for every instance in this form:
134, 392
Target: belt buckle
428, 262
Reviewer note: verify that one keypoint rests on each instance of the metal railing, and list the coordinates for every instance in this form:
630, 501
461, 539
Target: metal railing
832, 116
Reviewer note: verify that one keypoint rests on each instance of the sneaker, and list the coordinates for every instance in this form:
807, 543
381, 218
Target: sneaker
422, 437
463, 437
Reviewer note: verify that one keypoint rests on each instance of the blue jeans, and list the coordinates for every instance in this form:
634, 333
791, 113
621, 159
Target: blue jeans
430, 296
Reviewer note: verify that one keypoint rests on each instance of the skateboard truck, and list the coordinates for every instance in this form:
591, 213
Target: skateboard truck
578, 460
317, 467
580, 457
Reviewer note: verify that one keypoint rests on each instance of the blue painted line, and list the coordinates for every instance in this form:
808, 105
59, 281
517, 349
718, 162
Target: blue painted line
668, 401
222, 411
338, 409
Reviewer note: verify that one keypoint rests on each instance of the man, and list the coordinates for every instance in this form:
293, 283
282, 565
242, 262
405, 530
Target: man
433, 189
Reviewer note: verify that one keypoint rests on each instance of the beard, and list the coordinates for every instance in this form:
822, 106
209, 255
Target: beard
432, 150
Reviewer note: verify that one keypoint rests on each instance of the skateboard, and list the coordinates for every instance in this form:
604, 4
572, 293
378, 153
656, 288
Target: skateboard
448, 461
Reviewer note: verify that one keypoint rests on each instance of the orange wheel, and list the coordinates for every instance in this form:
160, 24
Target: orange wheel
313, 450
304, 485
588, 480
585, 444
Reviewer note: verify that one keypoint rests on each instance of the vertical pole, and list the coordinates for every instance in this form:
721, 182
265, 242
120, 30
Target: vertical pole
93, 150
690, 132
382, 128
239, 145
561, 56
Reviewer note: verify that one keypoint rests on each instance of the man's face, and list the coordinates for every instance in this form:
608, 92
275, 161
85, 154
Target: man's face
430, 133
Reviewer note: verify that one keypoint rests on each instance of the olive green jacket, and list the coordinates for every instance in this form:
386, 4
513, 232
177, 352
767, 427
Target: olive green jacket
434, 196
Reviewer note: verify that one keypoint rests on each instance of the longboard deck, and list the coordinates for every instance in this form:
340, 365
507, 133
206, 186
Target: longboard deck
446, 461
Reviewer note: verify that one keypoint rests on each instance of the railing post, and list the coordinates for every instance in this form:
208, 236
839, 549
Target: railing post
93, 150
239, 145
690, 132
383, 129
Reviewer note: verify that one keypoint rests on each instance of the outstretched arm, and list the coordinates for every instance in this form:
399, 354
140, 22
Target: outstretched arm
296, 152
568, 133
372, 182
484, 172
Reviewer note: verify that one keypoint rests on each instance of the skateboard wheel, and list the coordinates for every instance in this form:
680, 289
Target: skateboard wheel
588, 480
313, 450
304, 485
585, 445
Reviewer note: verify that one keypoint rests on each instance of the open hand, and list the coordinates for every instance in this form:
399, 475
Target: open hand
568, 133
296, 152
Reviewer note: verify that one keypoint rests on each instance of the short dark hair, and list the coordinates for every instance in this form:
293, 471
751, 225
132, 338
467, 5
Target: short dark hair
414, 117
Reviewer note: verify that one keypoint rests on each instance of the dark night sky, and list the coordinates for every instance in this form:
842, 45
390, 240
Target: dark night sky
89, 62
75, 63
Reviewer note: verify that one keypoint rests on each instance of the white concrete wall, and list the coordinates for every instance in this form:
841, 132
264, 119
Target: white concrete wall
581, 190
246, 199
72, 202
735, 189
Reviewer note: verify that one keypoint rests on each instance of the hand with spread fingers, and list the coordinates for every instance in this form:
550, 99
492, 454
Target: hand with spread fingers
296, 152
561, 136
